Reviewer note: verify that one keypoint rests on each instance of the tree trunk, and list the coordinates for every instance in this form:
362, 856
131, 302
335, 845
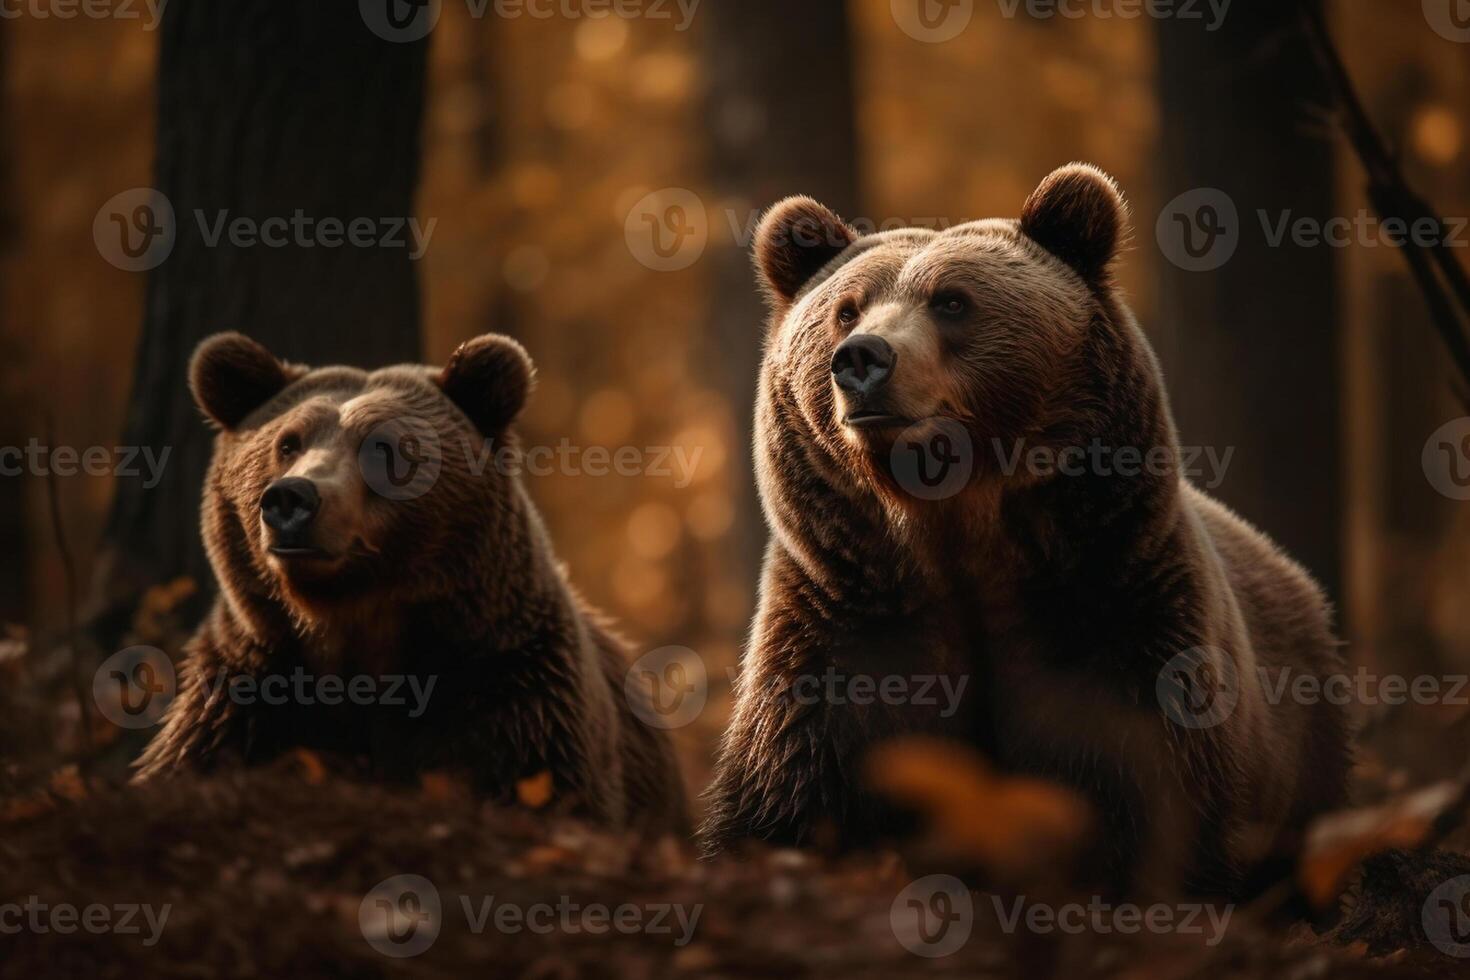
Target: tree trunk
15, 606
1252, 345
780, 111
267, 110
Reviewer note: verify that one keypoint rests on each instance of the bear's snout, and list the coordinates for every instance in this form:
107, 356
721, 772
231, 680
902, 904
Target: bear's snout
288, 507
862, 365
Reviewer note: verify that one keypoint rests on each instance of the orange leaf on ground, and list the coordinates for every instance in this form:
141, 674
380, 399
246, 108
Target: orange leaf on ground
535, 791
442, 787
1339, 842
313, 770
1013, 826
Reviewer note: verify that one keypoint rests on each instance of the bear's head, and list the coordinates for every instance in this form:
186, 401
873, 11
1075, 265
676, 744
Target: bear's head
988, 337
334, 488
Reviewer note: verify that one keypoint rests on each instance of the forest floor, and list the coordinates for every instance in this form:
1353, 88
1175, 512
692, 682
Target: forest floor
294, 869
279, 872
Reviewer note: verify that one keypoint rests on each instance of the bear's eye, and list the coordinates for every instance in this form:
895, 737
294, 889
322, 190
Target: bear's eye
847, 313
950, 304
289, 446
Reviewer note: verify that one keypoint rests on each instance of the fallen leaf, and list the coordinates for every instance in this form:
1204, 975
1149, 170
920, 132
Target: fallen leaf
442, 787
1013, 826
313, 770
1339, 842
535, 791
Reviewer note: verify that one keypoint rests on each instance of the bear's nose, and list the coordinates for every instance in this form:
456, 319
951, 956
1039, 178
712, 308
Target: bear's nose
289, 504
862, 364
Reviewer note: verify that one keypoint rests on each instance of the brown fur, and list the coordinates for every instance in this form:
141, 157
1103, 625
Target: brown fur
1059, 597
459, 583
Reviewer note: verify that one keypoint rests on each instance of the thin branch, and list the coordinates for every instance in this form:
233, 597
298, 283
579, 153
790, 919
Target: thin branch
58, 531
1392, 197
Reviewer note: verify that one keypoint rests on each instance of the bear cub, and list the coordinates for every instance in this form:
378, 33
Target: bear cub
364, 529
967, 460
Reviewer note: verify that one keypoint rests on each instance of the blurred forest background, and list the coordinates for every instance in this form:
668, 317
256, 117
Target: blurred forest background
539, 137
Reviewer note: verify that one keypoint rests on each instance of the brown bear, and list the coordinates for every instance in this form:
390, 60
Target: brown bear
371, 529
943, 423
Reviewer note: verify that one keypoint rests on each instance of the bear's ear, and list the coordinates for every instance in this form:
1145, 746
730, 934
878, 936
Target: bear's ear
489, 378
1078, 215
232, 375
795, 239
